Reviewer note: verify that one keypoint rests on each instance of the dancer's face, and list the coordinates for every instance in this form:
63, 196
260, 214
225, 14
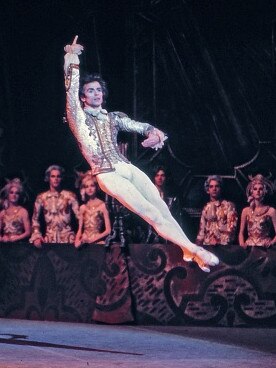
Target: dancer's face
14, 195
258, 191
214, 190
55, 179
160, 178
90, 188
92, 95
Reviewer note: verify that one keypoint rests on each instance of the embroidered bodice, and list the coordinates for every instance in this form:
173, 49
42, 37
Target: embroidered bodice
258, 228
12, 224
93, 222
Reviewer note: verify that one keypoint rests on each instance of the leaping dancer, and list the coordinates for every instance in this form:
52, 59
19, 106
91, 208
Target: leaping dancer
96, 132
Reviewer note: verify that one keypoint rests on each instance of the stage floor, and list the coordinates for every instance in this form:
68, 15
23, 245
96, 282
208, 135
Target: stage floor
56, 345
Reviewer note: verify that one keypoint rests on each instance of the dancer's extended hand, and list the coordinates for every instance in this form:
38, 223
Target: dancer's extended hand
74, 48
155, 140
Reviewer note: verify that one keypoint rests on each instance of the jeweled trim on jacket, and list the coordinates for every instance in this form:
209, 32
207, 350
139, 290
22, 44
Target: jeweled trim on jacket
96, 131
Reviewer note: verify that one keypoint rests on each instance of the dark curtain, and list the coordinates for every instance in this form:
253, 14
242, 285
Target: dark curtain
204, 71
200, 70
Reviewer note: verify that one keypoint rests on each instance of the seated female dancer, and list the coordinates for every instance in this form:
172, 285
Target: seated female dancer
94, 222
14, 219
258, 219
96, 132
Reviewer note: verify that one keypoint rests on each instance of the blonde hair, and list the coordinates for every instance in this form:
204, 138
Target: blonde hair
4, 193
258, 179
82, 179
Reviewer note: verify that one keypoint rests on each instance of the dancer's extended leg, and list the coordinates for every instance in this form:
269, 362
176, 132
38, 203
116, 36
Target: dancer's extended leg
190, 250
134, 190
146, 187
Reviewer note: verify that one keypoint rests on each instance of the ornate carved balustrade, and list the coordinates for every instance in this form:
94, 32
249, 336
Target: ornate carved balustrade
143, 284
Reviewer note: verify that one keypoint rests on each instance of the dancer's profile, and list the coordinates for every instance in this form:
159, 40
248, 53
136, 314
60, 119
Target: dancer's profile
96, 132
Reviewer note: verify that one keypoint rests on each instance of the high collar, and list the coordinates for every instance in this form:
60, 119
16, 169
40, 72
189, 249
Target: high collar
216, 203
97, 113
54, 194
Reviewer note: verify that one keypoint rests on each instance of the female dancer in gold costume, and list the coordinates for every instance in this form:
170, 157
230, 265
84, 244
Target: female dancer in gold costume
14, 219
258, 219
94, 222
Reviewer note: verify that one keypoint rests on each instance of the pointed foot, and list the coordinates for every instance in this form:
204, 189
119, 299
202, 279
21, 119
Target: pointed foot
202, 257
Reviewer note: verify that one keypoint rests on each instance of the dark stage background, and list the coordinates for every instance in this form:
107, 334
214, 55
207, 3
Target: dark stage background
203, 71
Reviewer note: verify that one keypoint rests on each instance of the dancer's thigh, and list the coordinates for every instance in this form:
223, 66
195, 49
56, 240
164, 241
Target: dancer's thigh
150, 192
146, 187
119, 184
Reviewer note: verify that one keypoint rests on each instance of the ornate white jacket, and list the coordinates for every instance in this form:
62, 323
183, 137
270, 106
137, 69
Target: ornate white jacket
96, 131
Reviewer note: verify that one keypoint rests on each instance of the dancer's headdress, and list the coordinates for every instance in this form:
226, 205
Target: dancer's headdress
258, 179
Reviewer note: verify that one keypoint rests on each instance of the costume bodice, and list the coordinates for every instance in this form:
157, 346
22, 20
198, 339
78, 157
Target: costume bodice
93, 222
258, 228
12, 223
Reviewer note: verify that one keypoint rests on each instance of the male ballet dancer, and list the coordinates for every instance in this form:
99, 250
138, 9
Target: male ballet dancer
96, 132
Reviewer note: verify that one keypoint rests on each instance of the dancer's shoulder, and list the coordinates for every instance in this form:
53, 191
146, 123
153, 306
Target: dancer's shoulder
118, 114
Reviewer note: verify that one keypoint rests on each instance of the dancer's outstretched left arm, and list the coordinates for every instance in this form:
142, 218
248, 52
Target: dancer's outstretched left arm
155, 137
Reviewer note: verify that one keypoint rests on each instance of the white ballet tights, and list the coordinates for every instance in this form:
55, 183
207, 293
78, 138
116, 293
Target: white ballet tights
133, 188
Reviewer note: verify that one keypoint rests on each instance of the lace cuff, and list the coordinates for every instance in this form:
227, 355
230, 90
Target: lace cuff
155, 140
68, 60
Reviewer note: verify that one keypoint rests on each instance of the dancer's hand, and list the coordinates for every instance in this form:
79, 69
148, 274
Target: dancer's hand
243, 245
38, 242
74, 48
155, 140
272, 242
77, 243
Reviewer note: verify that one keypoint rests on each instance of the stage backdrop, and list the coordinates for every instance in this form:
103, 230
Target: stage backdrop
140, 284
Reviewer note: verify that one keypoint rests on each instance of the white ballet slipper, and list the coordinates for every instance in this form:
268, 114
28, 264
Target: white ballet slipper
202, 257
